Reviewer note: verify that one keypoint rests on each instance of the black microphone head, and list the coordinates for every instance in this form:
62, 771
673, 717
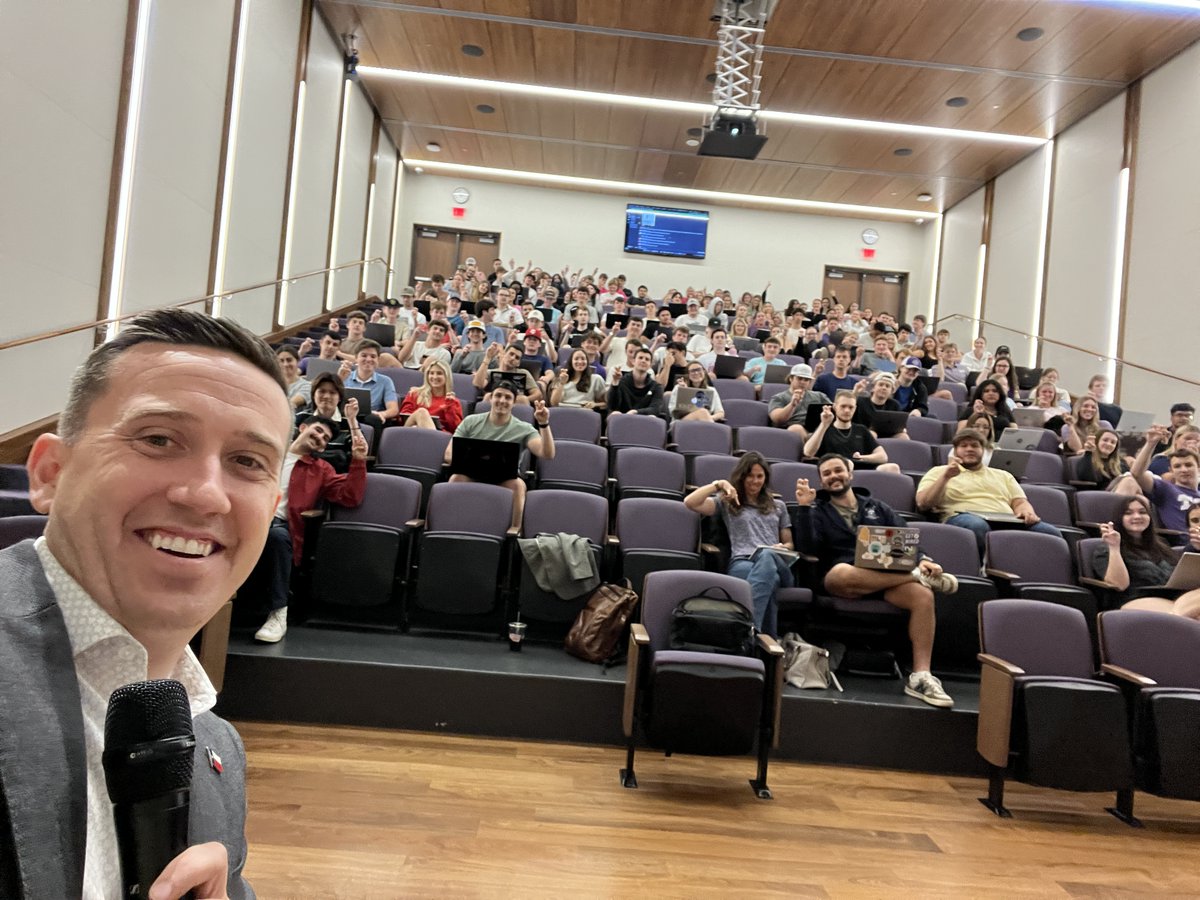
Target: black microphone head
148, 741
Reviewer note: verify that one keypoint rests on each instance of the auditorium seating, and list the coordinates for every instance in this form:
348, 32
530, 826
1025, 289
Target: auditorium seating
648, 472
1035, 566
653, 535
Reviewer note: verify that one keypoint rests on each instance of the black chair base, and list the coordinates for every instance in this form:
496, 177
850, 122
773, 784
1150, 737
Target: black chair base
1124, 809
995, 798
628, 779
761, 791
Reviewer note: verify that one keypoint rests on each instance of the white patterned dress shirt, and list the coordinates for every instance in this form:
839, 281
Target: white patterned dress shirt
107, 657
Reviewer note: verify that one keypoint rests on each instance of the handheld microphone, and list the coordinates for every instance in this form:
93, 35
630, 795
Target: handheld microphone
148, 756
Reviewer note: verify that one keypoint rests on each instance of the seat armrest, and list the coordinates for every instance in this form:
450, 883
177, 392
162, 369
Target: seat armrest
712, 549
1097, 583
415, 523
1127, 675
999, 664
313, 514
769, 645
1002, 575
639, 642
613, 541
1074, 482
513, 531
639, 634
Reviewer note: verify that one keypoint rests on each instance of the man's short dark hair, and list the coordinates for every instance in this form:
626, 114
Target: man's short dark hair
356, 314
640, 350
828, 457
590, 336
369, 344
1184, 452
676, 345
173, 326
507, 385
289, 350
440, 323
483, 306
328, 378
773, 339
314, 419
333, 335
840, 349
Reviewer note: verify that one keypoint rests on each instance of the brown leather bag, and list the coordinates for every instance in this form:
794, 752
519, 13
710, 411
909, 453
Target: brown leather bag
601, 623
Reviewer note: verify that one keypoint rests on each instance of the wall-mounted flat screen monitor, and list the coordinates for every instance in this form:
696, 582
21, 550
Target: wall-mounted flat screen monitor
665, 232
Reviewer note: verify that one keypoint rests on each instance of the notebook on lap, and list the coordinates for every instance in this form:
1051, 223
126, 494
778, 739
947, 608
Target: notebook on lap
488, 461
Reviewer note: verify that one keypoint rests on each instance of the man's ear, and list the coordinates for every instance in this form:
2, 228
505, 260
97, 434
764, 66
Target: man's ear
45, 465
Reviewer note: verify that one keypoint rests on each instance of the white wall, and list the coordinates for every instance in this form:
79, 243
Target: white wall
746, 248
56, 148
1084, 244
314, 185
1162, 316
352, 201
1013, 291
401, 243
382, 217
258, 183
178, 153
958, 288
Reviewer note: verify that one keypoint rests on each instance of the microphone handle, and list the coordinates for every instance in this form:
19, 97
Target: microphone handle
150, 833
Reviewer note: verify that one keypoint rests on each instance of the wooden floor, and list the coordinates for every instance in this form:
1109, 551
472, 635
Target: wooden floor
353, 812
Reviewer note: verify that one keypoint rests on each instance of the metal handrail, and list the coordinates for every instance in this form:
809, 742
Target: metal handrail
1056, 343
100, 323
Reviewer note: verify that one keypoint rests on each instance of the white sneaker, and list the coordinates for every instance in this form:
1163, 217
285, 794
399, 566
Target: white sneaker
939, 584
274, 628
928, 688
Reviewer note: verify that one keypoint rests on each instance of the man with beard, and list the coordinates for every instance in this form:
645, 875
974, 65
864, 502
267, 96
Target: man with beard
827, 522
967, 486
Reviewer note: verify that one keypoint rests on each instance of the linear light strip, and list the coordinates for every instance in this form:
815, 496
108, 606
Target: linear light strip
116, 287
667, 190
699, 109
391, 278
366, 254
983, 252
1118, 278
339, 169
290, 226
235, 107
1043, 236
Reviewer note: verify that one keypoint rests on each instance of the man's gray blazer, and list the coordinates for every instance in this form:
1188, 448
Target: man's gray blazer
43, 776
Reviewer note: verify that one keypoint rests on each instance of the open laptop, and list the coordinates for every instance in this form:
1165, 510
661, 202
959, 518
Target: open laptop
650, 328
888, 423
519, 377
1011, 461
362, 395
318, 366
887, 549
677, 310
1024, 439
1186, 576
747, 343
382, 334
1029, 417
728, 366
616, 320
690, 399
776, 374
488, 461
1133, 422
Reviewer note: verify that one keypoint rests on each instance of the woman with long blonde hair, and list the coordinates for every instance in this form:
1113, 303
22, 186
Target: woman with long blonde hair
434, 398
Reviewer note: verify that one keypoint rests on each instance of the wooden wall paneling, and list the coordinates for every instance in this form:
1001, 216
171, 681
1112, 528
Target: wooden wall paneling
589, 162
650, 168
223, 158
1133, 116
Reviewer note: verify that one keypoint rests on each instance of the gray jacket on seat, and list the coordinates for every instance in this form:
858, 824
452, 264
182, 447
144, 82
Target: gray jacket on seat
562, 564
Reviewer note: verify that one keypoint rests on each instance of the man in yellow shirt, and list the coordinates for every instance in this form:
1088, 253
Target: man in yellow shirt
966, 487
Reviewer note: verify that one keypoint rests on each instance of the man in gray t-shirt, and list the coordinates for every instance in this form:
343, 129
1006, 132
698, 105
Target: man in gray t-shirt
787, 409
499, 424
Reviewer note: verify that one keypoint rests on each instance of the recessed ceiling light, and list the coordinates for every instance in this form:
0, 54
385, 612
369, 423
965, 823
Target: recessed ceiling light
692, 142
995, 106
902, 151
957, 101
485, 108
924, 198
1029, 34
418, 170
472, 50
433, 147
920, 221
695, 132
895, 193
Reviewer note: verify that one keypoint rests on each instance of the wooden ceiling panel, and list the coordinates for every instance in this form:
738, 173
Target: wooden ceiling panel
891, 60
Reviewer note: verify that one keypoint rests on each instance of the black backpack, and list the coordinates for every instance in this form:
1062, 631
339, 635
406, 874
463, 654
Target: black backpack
707, 624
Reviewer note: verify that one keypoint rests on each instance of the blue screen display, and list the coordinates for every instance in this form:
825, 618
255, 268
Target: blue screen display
665, 232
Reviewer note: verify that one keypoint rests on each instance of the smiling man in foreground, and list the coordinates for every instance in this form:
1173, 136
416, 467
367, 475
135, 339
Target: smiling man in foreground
160, 489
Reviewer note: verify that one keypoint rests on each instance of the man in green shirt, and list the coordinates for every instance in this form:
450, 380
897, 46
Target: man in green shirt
499, 424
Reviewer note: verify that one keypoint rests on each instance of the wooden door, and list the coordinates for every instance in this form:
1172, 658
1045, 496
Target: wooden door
434, 252
845, 285
884, 292
484, 247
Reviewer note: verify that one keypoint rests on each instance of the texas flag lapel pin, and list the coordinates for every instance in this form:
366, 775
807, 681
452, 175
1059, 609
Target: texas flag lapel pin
214, 760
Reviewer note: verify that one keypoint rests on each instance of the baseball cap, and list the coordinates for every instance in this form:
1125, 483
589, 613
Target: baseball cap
714, 322
533, 333
470, 261
408, 292
475, 323
391, 301
885, 376
693, 302
911, 362
801, 370
536, 314
1003, 348
1182, 407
